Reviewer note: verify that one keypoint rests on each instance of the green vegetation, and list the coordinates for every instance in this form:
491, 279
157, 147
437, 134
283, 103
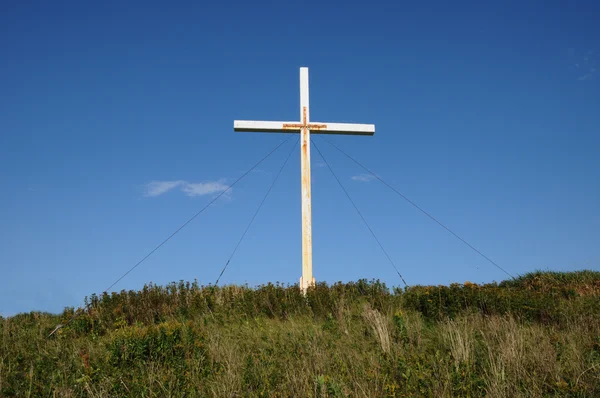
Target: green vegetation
538, 335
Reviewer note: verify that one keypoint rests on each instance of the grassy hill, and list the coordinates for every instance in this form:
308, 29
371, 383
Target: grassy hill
538, 335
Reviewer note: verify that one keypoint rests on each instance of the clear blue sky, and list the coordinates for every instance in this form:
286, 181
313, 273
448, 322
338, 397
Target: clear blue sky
487, 116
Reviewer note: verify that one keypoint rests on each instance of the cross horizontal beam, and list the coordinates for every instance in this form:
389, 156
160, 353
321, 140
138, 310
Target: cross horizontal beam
295, 127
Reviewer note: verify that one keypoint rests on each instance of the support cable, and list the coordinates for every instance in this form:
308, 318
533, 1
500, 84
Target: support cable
181, 227
257, 210
359, 213
419, 208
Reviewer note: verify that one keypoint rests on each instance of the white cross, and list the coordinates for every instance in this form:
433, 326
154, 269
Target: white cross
305, 128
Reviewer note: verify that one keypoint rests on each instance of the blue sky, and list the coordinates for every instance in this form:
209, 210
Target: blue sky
486, 116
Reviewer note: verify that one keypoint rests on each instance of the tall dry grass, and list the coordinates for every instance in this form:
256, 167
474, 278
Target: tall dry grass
379, 325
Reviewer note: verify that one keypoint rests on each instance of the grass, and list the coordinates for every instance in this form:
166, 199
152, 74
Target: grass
538, 335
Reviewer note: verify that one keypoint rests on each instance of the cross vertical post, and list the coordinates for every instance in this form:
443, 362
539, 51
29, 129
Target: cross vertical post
307, 278
305, 128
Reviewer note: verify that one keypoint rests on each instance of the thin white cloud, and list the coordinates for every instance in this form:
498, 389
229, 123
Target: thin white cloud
363, 177
157, 188
204, 188
586, 65
587, 75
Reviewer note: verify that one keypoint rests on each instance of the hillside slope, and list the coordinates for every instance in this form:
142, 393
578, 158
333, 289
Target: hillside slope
538, 335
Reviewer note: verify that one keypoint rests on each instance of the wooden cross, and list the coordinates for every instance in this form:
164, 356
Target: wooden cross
305, 128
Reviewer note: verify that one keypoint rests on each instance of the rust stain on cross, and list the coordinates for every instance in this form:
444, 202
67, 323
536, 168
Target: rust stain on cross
304, 124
